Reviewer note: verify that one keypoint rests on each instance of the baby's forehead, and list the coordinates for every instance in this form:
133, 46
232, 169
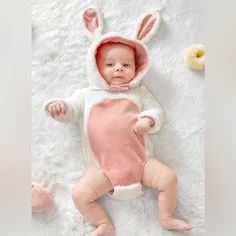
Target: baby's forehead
108, 47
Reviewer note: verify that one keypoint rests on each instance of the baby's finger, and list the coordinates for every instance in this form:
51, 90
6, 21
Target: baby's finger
141, 131
54, 108
134, 128
63, 108
139, 134
147, 129
138, 130
50, 110
51, 113
58, 109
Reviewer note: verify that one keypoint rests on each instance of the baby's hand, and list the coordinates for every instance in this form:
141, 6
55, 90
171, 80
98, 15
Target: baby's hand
57, 108
143, 125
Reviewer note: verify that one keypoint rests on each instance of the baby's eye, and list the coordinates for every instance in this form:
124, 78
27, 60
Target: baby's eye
126, 65
110, 64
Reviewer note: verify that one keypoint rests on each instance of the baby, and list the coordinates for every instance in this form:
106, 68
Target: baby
116, 115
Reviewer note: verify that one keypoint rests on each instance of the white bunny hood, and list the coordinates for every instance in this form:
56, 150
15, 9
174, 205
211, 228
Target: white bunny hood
145, 29
141, 60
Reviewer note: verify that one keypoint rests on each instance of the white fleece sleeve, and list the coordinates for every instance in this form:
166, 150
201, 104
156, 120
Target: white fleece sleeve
151, 108
75, 107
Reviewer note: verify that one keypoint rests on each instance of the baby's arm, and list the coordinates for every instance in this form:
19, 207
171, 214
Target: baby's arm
66, 110
151, 118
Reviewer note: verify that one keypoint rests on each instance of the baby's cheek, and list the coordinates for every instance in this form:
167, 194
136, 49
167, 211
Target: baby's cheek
132, 73
107, 75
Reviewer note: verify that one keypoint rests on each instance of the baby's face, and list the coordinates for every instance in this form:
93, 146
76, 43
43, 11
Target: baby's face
116, 63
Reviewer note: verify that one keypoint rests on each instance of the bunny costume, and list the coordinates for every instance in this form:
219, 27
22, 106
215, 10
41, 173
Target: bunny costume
107, 114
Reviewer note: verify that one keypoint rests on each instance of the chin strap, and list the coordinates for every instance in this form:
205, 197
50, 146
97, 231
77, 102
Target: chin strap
119, 88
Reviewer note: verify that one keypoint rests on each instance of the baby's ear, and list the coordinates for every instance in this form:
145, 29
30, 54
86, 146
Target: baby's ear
147, 26
92, 22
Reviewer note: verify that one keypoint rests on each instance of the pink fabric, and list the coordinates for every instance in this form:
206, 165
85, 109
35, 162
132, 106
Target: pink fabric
118, 150
91, 20
146, 25
119, 88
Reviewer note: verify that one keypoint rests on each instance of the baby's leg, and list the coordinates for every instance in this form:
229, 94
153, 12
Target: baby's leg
93, 185
158, 176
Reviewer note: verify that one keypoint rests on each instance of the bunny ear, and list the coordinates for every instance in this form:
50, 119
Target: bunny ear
92, 21
147, 26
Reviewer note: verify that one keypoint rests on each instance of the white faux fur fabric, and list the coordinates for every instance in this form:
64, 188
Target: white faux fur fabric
59, 48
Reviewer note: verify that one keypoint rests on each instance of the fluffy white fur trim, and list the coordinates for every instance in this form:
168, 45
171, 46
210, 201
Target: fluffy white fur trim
157, 118
151, 108
74, 107
62, 118
127, 192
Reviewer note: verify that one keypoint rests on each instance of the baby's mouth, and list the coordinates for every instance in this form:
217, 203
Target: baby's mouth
118, 77
117, 80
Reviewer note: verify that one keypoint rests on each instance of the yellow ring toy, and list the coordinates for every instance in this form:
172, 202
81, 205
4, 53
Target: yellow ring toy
194, 57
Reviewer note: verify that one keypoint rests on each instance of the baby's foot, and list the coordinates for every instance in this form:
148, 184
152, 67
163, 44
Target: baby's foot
41, 200
175, 224
104, 230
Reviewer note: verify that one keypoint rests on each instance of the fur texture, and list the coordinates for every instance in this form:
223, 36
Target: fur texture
59, 68
124, 193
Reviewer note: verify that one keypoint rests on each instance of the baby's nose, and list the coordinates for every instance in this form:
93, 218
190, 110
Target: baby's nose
119, 68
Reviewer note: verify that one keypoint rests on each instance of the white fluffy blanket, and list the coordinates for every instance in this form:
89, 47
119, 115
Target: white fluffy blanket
58, 68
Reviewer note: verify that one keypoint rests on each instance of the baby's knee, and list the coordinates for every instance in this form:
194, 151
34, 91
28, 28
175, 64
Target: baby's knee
172, 177
78, 194
169, 180
82, 194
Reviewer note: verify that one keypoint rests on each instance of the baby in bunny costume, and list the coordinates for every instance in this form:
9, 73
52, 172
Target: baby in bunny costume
116, 114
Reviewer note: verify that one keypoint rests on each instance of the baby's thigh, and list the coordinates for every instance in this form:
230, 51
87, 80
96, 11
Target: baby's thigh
94, 181
155, 174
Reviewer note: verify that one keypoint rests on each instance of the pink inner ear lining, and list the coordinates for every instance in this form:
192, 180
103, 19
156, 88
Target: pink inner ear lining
147, 25
91, 20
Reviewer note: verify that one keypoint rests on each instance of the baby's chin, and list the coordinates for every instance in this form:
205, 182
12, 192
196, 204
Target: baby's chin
117, 81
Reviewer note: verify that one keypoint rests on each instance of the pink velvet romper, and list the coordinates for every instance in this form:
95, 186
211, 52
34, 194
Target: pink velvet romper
117, 148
